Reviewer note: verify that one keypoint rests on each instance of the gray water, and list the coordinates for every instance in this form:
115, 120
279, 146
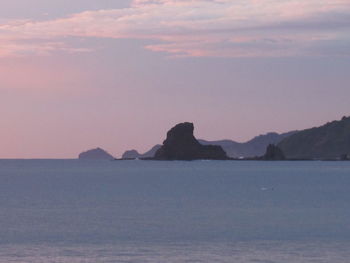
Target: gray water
202, 211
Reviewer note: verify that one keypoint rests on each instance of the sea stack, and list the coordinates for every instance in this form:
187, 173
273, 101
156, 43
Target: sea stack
273, 153
96, 154
181, 144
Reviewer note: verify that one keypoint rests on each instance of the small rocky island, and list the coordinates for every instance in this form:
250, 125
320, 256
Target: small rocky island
181, 144
96, 154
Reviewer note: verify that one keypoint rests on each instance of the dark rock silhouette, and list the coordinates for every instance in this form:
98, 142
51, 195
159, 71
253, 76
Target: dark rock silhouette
181, 144
273, 153
96, 154
133, 154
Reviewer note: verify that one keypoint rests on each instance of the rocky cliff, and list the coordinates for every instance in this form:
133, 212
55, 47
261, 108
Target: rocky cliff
181, 144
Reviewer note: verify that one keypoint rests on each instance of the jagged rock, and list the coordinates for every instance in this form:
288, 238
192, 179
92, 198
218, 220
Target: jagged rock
181, 144
274, 153
96, 154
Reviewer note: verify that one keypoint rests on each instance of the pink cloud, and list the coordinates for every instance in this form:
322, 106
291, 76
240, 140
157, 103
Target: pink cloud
20, 49
234, 28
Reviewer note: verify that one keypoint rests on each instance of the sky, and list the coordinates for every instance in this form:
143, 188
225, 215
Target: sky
117, 74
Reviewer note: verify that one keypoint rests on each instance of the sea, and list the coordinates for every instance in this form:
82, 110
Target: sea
79, 211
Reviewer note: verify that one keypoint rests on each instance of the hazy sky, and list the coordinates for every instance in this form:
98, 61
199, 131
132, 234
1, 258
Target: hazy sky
118, 74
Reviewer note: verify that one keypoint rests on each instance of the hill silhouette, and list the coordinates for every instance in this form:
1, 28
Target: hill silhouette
96, 154
254, 147
331, 140
133, 154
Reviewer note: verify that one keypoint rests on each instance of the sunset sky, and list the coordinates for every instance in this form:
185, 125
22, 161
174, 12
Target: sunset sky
117, 74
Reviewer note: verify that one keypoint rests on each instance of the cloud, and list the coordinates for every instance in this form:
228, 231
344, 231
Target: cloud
222, 28
41, 48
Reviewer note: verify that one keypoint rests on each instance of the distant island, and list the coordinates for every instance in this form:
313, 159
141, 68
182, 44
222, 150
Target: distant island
96, 154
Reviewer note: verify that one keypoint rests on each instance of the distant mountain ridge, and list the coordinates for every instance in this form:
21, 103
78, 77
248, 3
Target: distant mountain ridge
133, 154
331, 140
254, 147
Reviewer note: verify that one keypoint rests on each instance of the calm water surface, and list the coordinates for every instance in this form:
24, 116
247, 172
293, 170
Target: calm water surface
203, 211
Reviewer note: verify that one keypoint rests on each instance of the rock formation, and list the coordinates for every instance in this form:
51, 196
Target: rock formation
273, 153
181, 144
96, 154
